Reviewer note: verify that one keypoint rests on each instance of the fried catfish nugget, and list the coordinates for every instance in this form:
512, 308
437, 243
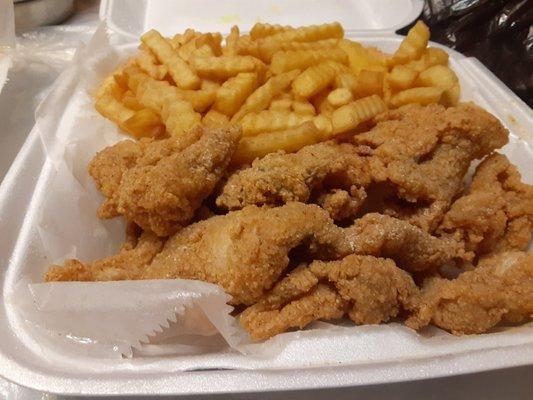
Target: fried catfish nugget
500, 289
367, 289
244, 251
409, 246
497, 213
128, 263
279, 178
425, 153
168, 182
109, 165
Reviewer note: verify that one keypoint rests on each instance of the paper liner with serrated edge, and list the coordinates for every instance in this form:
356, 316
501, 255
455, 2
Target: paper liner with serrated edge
125, 312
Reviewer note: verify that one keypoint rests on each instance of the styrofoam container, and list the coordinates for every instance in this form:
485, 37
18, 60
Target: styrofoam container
27, 361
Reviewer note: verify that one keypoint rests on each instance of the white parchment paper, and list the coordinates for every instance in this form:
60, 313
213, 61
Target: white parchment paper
177, 317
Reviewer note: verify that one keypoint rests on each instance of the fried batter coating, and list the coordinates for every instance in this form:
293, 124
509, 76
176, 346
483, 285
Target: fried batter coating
243, 251
369, 290
126, 264
168, 182
109, 165
409, 246
422, 152
426, 152
497, 214
500, 289
342, 204
279, 178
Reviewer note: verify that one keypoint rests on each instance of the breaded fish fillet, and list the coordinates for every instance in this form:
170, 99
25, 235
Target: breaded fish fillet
497, 213
367, 289
500, 289
425, 153
158, 185
244, 251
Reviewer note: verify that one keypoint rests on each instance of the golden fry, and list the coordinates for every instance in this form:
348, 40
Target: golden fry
120, 78
438, 76
144, 123
225, 67
324, 125
200, 100
369, 83
413, 44
132, 75
211, 40
283, 61
360, 57
110, 86
303, 106
246, 46
419, 95
268, 120
113, 109
155, 94
215, 119
179, 70
280, 105
234, 92
181, 38
266, 49
432, 56
207, 84
346, 80
179, 117
202, 51
230, 49
310, 33
148, 63
130, 101
387, 91
352, 114
289, 140
187, 50
260, 30
450, 97
402, 77
340, 97
313, 80
322, 105
260, 99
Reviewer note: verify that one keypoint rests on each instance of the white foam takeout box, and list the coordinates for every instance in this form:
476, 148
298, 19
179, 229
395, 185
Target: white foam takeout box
320, 362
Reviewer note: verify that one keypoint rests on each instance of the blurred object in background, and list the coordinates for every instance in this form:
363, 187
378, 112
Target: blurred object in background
33, 13
499, 33
38, 57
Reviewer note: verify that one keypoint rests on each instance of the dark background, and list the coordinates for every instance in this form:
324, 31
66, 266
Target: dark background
498, 33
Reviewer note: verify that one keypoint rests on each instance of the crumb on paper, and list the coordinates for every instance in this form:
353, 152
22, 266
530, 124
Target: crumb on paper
275, 9
518, 128
230, 18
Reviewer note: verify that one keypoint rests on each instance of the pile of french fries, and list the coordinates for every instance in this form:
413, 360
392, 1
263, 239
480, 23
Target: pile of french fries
287, 87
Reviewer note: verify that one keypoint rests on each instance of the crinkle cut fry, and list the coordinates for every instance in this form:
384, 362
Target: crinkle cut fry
425, 153
499, 289
497, 213
369, 290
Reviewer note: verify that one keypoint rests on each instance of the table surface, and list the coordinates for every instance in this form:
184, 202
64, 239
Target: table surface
28, 83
